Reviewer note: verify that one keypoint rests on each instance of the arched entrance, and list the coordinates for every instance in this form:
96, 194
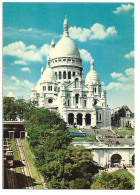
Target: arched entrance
88, 119
116, 158
79, 119
133, 160
71, 119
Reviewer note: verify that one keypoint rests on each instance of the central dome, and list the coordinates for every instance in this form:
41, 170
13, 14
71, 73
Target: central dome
65, 47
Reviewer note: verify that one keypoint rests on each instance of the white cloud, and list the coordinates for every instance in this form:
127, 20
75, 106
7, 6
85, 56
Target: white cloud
129, 71
20, 62
26, 30
100, 32
114, 85
116, 75
123, 8
85, 55
122, 79
79, 33
102, 83
27, 83
25, 69
44, 50
129, 55
9, 87
26, 53
13, 78
97, 31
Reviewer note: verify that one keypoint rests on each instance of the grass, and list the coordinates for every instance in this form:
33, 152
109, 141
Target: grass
126, 173
30, 157
84, 139
19, 175
123, 132
73, 129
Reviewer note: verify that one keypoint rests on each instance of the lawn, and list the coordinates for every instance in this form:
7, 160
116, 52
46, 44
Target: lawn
73, 129
123, 132
126, 173
30, 157
84, 139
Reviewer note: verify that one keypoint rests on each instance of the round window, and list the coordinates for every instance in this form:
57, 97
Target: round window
50, 101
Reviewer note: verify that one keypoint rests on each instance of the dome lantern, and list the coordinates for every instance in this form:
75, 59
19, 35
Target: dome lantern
52, 44
65, 27
48, 61
92, 64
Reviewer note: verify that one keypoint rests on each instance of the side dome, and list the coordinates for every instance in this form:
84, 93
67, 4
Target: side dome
47, 76
92, 77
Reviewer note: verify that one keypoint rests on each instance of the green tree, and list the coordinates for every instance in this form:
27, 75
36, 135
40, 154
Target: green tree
112, 181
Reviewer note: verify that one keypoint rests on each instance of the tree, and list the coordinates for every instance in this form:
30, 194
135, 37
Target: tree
112, 181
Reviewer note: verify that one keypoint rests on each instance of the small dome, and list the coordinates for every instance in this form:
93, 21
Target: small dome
65, 48
10, 94
48, 75
92, 78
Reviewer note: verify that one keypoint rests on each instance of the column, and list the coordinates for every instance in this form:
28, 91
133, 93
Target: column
84, 121
75, 118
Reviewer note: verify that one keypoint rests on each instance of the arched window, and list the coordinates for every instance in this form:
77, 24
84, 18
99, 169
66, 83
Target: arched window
73, 73
59, 75
68, 102
56, 75
85, 103
97, 116
64, 75
69, 75
76, 83
100, 117
76, 98
95, 89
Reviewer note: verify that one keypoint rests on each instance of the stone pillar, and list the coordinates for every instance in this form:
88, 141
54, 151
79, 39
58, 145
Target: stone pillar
75, 118
93, 119
84, 122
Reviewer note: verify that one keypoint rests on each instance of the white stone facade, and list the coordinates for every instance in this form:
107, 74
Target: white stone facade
62, 87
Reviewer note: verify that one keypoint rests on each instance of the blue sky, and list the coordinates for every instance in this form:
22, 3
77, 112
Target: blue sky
104, 31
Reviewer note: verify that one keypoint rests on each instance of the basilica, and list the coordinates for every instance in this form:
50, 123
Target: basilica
62, 87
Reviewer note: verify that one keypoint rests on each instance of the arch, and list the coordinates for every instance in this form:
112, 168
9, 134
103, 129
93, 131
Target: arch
64, 75
133, 160
76, 98
69, 75
76, 82
79, 119
116, 158
60, 75
88, 119
71, 118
